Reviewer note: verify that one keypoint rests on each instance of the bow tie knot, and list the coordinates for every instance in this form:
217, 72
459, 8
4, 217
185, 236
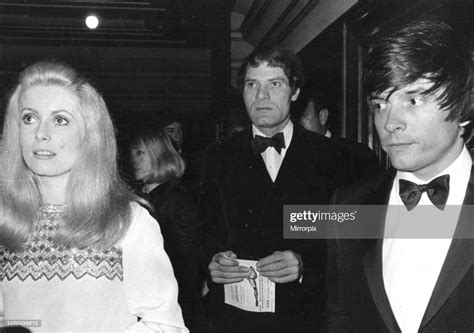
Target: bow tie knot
437, 191
261, 143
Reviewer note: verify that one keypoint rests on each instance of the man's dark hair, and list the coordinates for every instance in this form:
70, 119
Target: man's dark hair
423, 49
311, 93
168, 118
275, 57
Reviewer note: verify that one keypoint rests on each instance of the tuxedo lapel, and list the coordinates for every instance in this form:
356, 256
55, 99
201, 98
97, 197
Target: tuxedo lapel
459, 259
293, 165
381, 188
249, 167
372, 259
373, 271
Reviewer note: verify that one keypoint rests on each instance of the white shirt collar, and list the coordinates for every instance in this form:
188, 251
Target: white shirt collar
272, 159
459, 173
287, 133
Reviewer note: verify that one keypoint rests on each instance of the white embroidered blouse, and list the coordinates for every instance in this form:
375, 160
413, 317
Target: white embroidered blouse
50, 288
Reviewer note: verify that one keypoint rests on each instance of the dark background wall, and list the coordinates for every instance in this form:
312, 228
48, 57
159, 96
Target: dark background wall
163, 56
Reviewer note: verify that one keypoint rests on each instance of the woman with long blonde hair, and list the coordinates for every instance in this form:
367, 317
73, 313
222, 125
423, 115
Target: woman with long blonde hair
77, 252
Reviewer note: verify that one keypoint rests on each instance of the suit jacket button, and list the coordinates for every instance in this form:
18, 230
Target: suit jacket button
246, 225
250, 211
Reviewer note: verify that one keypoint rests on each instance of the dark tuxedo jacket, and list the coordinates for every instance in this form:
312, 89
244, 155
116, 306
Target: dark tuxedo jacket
364, 163
357, 301
241, 210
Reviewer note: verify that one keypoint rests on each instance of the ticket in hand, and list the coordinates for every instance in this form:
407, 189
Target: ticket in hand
255, 293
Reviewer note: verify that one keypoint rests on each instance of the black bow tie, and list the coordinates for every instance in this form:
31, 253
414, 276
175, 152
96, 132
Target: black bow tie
437, 190
261, 143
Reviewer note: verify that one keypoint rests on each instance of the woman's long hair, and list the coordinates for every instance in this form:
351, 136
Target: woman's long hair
166, 163
97, 211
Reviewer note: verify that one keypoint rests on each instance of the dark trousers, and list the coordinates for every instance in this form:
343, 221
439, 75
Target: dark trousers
225, 318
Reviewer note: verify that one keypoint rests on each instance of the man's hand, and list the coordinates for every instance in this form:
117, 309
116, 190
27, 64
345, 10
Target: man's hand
225, 269
281, 266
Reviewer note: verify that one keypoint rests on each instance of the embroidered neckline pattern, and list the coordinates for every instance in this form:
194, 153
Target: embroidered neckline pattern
51, 208
42, 258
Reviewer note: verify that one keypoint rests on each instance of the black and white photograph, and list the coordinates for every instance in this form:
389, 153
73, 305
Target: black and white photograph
234, 166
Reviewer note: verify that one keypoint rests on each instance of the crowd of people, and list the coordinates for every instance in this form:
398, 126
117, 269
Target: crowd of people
174, 250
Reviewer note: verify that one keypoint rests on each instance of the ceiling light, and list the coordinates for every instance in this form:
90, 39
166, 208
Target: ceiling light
92, 21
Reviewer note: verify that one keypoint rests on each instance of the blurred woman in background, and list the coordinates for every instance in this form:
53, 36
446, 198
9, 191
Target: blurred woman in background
159, 167
77, 252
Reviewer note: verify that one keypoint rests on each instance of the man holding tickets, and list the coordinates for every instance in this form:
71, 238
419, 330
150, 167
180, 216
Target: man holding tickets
247, 179
418, 81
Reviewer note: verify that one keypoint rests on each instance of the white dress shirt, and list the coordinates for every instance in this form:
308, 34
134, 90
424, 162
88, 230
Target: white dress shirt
270, 156
411, 266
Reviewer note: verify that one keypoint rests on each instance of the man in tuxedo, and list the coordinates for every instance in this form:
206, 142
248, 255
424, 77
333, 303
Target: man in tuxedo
246, 181
313, 114
419, 85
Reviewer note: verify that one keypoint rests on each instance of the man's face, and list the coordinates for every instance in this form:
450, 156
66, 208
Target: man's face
267, 96
175, 133
413, 130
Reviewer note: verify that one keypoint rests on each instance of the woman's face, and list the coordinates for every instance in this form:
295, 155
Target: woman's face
141, 162
51, 130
